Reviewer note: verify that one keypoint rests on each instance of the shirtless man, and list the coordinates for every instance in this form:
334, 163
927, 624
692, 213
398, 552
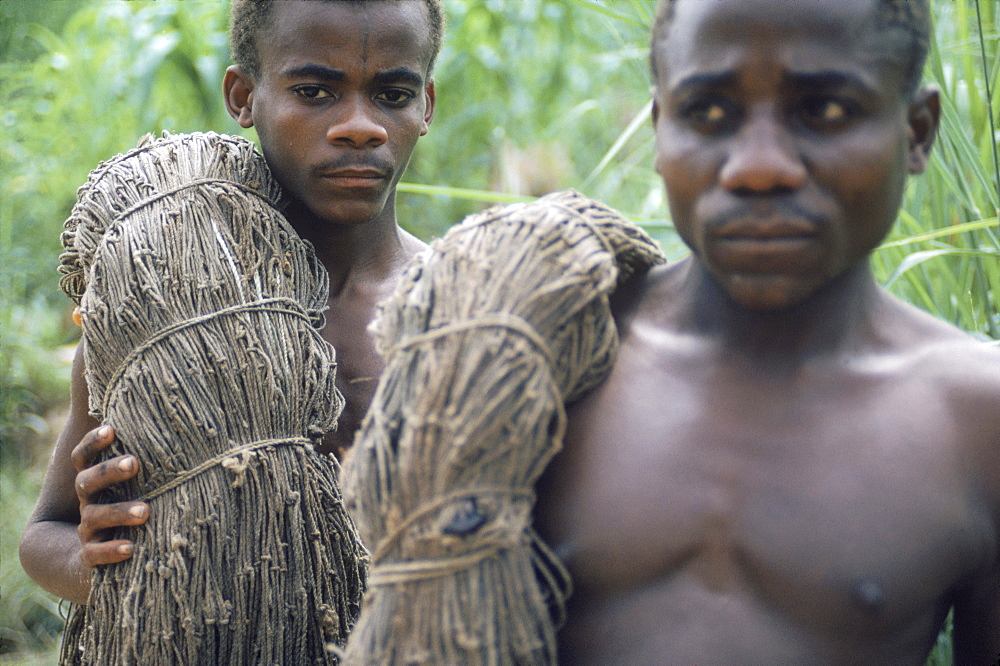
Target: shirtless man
338, 92
787, 465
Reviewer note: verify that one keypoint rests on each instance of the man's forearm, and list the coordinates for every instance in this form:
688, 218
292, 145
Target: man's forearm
50, 554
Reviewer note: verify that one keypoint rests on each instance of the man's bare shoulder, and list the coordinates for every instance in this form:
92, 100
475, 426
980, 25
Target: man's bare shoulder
962, 373
936, 348
646, 292
411, 244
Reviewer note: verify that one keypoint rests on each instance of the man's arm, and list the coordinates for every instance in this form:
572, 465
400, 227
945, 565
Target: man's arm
976, 634
64, 538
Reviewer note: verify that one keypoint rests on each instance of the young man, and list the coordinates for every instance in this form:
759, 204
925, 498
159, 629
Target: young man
339, 92
786, 465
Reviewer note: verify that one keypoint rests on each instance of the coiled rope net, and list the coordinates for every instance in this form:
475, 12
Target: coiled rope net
201, 312
485, 339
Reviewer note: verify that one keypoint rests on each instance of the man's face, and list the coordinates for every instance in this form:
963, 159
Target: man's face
784, 139
340, 101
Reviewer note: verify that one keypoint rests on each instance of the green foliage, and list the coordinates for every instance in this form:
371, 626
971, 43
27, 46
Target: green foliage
35, 365
944, 254
941, 654
79, 82
31, 621
68, 100
117, 71
533, 96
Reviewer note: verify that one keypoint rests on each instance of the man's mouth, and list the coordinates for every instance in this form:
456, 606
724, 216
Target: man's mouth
774, 229
354, 176
766, 243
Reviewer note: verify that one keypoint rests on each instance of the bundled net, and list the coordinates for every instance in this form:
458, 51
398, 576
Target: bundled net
485, 339
201, 312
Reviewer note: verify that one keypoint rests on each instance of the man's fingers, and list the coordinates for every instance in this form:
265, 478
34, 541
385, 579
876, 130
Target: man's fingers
91, 445
93, 480
97, 517
107, 552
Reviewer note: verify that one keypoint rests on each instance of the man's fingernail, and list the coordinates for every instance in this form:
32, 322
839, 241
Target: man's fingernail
137, 511
125, 550
125, 464
104, 431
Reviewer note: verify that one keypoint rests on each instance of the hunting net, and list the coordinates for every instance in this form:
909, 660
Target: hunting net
201, 311
486, 338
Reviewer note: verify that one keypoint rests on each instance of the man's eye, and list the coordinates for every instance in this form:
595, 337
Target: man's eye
713, 113
312, 92
826, 111
707, 115
397, 96
833, 111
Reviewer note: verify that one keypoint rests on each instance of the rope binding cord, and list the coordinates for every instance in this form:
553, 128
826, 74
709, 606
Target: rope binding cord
201, 310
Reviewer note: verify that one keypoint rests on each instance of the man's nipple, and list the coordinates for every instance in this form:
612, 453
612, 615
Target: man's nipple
869, 595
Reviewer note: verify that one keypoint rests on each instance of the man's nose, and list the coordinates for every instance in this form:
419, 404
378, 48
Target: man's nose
356, 124
763, 158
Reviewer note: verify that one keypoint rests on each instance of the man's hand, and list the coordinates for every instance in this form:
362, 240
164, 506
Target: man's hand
97, 519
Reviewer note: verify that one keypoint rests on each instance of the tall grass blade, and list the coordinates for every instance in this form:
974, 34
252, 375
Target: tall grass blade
640, 119
989, 98
600, 8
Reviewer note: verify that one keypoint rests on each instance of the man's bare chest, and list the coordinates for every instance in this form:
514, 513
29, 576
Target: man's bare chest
358, 369
841, 492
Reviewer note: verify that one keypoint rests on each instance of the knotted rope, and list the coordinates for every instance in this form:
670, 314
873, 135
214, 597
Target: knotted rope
201, 311
485, 339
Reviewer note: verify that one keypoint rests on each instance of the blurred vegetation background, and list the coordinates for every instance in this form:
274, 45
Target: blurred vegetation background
533, 95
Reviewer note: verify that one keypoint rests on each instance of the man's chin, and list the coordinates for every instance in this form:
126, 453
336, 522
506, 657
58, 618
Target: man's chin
357, 212
766, 292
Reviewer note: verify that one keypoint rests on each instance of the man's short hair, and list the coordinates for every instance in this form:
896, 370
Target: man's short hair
248, 18
911, 16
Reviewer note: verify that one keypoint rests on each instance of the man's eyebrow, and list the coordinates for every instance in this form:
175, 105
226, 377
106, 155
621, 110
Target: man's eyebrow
403, 75
828, 79
314, 72
705, 80
819, 80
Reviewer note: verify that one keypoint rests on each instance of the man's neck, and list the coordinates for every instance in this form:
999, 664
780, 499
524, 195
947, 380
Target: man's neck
841, 314
366, 251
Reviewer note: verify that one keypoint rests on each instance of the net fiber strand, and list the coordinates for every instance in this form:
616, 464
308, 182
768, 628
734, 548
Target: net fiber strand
486, 338
201, 312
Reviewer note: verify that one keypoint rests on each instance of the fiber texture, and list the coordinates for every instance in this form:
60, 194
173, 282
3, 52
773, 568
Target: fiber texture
201, 312
487, 336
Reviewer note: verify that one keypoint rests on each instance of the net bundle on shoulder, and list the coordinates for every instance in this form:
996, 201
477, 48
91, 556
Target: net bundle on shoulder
486, 338
201, 310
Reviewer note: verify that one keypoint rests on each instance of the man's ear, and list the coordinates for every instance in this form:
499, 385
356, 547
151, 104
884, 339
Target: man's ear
237, 88
655, 114
430, 98
923, 118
